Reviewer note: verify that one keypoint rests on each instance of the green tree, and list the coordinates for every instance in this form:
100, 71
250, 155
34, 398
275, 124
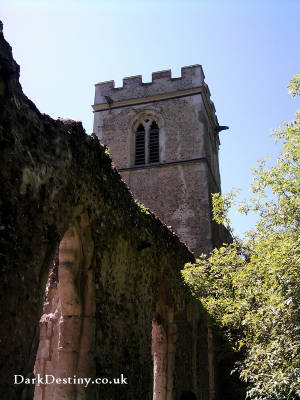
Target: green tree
251, 287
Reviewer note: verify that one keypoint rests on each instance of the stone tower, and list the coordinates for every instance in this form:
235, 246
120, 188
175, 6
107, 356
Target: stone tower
163, 138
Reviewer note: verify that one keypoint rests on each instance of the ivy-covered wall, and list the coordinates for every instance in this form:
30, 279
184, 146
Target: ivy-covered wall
55, 178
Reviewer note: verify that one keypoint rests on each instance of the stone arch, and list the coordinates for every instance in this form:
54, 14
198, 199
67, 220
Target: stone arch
163, 347
146, 117
67, 323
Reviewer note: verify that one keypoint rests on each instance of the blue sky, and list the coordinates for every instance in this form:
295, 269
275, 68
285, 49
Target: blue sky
248, 50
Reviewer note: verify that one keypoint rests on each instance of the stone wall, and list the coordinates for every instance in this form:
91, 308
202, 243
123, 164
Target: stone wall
177, 188
98, 271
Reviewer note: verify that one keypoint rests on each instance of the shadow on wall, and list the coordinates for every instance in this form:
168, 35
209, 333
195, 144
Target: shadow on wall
188, 395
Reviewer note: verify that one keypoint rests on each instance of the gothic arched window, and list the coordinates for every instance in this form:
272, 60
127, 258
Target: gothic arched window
147, 143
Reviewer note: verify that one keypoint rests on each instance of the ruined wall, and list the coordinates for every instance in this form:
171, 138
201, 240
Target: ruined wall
178, 188
110, 269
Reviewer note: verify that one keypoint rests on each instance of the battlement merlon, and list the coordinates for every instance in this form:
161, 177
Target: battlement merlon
162, 82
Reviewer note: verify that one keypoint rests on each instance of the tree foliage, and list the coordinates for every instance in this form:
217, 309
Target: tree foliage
251, 287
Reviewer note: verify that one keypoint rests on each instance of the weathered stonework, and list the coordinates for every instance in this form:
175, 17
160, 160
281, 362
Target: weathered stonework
90, 281
177, 188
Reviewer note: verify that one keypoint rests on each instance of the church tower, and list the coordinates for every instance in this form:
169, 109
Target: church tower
163, 139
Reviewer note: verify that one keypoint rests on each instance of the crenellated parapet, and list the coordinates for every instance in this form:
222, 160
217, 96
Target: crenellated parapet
162, 82
134, 91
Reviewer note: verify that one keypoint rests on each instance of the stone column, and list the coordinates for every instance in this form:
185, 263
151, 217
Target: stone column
159, 354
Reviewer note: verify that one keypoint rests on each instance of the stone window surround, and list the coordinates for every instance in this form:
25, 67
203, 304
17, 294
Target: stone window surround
147, 128
152, 116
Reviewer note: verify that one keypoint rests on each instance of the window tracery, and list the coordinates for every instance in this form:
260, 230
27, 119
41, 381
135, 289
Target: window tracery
147, 142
